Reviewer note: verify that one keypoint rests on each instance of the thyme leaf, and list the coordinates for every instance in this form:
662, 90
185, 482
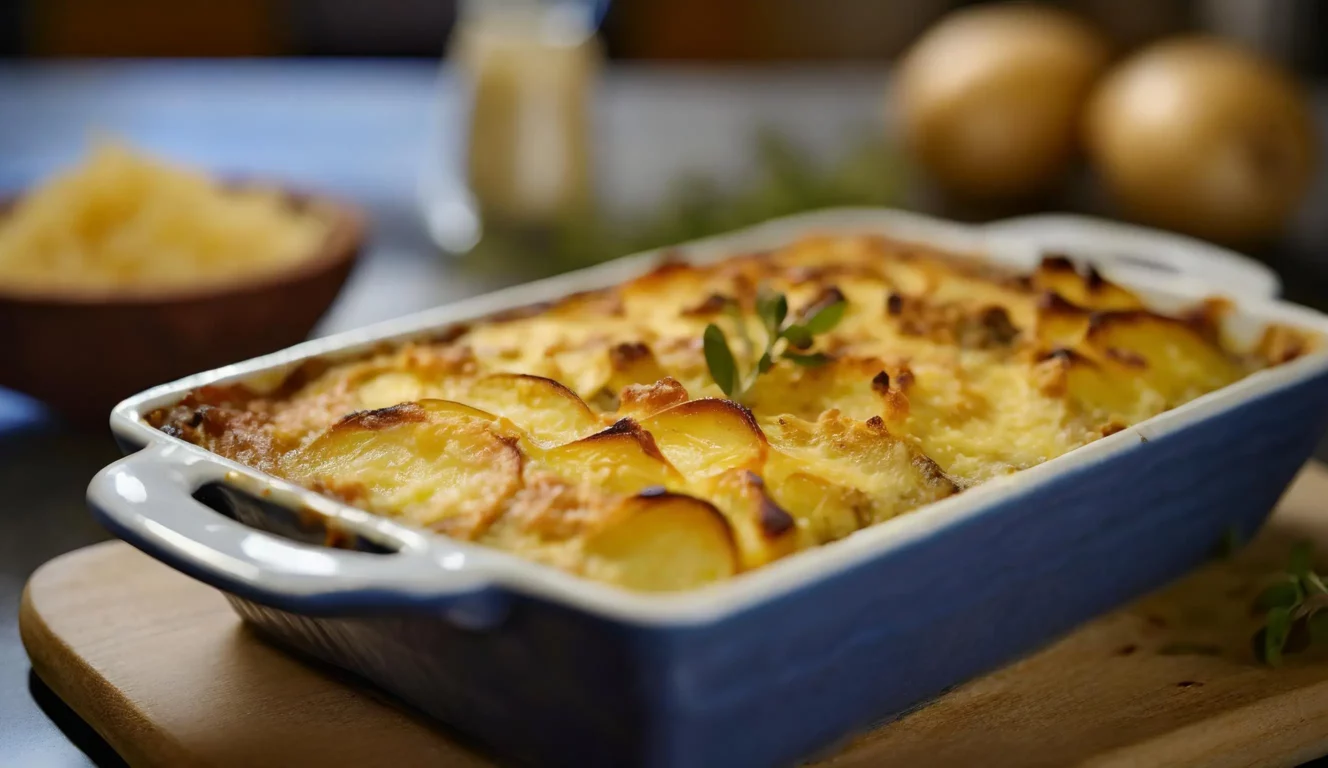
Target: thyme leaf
781, 337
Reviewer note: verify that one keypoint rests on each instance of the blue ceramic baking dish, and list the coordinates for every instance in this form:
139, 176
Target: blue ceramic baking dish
780, 663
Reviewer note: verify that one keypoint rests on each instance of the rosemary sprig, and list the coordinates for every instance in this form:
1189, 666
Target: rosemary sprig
781, 339
1295, 609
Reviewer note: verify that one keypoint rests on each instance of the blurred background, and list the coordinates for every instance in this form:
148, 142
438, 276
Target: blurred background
482, 143
654, 30
485, 142
691, 104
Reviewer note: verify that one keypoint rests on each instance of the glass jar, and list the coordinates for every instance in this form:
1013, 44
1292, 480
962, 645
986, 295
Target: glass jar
522, 74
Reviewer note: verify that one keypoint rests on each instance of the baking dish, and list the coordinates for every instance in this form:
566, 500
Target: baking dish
775, 664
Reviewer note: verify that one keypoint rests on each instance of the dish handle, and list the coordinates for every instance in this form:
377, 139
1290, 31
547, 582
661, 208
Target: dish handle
1140, 255
147, 499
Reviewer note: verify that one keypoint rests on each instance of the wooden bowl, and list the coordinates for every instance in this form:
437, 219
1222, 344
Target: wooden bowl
82, 355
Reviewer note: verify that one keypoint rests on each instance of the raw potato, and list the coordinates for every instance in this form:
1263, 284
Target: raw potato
990, 98
1202, 137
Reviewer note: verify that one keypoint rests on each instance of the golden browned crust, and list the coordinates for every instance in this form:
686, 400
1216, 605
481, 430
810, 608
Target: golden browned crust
552, 430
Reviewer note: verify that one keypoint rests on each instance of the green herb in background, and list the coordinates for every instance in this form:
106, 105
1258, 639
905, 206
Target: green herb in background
1295, 609
781, 338
786, 181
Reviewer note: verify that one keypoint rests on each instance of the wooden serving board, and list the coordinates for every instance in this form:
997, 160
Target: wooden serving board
159, 665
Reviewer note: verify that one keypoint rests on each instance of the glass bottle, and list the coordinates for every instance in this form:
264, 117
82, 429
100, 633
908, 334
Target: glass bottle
522, 74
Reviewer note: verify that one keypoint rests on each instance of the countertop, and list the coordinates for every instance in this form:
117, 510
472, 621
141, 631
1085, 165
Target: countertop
363, 130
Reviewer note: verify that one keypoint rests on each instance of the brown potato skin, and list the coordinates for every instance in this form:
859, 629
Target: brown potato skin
989, 99
1199, 136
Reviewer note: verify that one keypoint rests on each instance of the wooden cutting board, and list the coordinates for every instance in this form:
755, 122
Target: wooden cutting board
159, 665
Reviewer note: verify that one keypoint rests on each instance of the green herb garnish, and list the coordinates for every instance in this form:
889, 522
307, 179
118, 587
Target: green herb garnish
1294, 606
781, 338
1277, 628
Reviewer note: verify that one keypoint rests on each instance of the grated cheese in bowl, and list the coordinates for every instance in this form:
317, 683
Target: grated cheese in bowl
125, 222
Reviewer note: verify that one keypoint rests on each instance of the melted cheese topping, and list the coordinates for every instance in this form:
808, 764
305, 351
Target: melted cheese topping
588, 434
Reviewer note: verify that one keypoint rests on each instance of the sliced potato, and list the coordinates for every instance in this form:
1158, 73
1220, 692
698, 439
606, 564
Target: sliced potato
1281, 344
664, 292
604, 377
763, 530
1004, 418
1060, 323
437, 464
621, 459
389, 388
1171, 357
414, 372
788, 388
1082, 287
633, 363
825, 511
663, 542
889, 471
1105, 390
583, 369
546, 410
706, 437
1086, 288
640, 401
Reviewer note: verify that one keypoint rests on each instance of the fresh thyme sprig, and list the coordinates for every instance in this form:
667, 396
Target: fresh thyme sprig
1295, 609
781, 338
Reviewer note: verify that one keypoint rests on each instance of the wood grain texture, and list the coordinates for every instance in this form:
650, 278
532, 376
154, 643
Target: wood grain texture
159, 665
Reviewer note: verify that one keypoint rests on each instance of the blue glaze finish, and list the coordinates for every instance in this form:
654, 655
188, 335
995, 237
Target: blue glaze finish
839, 655
779, 681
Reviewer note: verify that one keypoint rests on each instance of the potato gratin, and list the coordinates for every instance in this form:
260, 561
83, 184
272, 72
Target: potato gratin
588, 434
